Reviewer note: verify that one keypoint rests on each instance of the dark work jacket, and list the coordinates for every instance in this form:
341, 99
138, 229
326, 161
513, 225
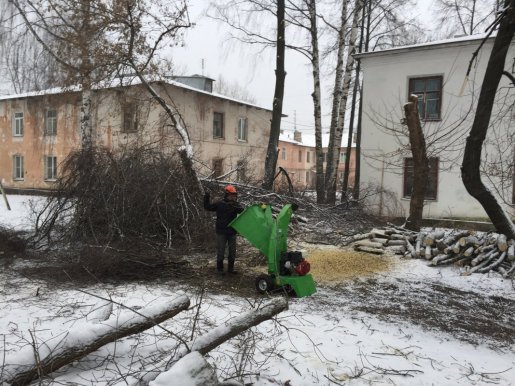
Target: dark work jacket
226, 211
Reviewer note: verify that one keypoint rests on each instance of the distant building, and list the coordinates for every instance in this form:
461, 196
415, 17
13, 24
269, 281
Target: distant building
297, 156
38, 130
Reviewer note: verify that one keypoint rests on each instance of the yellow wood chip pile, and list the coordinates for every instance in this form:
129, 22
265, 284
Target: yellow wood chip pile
336, 264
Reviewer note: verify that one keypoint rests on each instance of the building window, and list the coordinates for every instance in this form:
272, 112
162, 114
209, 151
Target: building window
429, 92
342, 156
283, 153
50, 167
129, 118
18, 124
51, 122
218, 125
242, 129
18, 172
300, 155
432, 181
307, 177
217, 167
308, 154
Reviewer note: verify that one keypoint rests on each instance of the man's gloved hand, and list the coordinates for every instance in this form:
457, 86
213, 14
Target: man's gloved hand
294, 206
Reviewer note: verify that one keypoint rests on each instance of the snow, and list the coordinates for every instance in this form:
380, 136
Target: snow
325, 339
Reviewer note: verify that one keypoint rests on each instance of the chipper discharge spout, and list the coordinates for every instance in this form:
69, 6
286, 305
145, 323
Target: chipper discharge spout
268, 234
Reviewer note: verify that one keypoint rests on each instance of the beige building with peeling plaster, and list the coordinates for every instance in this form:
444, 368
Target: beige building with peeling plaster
38, 130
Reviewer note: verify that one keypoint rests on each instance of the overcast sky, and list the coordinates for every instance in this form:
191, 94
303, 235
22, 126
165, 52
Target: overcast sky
208, 41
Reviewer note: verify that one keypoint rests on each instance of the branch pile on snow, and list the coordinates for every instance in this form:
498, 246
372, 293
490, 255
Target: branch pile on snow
476, 252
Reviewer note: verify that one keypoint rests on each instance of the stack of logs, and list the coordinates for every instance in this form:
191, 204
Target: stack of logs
476, 251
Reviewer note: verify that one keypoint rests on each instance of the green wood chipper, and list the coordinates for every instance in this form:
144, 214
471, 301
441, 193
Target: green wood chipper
286, 270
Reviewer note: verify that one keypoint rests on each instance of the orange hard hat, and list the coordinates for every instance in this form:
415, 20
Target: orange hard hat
229, 189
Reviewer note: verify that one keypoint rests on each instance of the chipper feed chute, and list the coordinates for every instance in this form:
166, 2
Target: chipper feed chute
269, 235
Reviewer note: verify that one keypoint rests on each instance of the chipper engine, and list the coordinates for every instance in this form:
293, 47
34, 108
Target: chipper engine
286, 269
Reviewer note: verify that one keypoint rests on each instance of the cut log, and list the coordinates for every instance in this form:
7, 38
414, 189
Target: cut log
362, 236
368, 244
487, 261
396, 242
456, 247
481, 257
380, 233
469, 240
396, 236
418, 243
77, 344
432, 237
217, 336
410, 248
502, 243
494, 264
492, 238
451, 260
440, 258
469, 251
382, 241
511, 252
510, 272
376, 251
192, 370
427, 254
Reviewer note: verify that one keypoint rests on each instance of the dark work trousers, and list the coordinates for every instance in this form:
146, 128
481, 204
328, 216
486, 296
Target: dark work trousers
221, 240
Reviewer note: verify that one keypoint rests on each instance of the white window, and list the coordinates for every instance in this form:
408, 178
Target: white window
283, 153
342, 156
18, 172
51, 122
50, 167
18, 124
242, 129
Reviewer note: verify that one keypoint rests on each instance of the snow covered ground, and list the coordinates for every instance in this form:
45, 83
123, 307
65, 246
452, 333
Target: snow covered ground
412, 325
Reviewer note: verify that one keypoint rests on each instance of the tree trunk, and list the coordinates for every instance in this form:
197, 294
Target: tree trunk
365, 32
277, 109
420, 164
219, 335
337, 98
315, 63
113, 329
470, 168
338, 133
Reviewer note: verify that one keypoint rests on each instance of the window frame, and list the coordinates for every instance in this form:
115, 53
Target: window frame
129, 118
300, 155
48, 121
284, 155
18, 170
243, 132
423, 114
308, 154
221, 135
18, 131
433, 174
46, 175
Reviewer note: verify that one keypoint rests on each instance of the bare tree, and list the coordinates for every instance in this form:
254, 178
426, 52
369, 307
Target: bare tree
470, 169
277, 108
233, 89
465, 17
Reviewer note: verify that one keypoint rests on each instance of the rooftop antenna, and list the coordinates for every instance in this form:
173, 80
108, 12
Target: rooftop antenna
294, 120
202, 66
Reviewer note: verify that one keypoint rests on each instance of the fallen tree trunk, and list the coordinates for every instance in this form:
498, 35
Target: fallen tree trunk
219, 335
83, 340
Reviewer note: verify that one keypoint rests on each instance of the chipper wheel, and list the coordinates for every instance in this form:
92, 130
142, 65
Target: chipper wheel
264, 284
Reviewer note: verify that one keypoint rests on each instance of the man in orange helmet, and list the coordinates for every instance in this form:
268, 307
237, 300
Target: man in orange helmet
226, 210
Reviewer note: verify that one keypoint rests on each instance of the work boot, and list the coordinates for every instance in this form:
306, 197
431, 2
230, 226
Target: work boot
233, 272
221, 273
230, 268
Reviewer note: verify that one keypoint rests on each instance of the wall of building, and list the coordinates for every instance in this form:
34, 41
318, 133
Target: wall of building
386, 82
153, 128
